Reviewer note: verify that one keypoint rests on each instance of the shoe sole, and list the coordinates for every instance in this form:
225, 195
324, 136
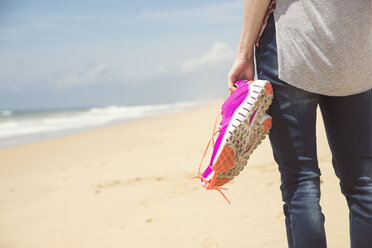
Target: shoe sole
255, 139
243, 132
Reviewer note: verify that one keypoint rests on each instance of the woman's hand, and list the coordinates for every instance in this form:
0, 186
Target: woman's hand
242, 69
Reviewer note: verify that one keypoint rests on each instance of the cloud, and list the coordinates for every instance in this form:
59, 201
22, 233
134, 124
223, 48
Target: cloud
214, 13
210, 13
158, 70
96, 74
220, 52
83, 77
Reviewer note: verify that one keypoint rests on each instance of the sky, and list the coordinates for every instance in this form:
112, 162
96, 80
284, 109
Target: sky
64, 53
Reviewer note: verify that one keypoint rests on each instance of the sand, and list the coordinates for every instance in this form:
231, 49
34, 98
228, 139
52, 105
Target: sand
127, 186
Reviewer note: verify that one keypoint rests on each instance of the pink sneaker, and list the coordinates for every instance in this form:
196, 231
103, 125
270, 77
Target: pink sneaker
244, 125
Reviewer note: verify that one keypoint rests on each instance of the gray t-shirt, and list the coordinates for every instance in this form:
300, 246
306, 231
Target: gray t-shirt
325, 46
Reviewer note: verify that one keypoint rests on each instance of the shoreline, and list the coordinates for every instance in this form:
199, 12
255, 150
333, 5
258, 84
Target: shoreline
13, 141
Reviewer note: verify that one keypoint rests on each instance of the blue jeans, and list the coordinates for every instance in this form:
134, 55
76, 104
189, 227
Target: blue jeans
348, 124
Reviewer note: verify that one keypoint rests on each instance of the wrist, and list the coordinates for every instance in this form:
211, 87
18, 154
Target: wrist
244, 54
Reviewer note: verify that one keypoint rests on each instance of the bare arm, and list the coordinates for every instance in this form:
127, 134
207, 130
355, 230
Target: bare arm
243, 67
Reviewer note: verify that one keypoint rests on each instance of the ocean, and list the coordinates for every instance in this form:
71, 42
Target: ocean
26, 126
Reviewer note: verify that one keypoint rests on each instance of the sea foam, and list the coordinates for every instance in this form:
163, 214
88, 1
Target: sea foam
15, 123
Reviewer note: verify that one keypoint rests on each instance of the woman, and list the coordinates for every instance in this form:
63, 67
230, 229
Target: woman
315, 53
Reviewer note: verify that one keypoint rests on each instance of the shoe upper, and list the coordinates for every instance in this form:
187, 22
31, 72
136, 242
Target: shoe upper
228, 109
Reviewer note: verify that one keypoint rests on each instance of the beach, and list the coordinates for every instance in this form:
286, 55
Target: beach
127, 185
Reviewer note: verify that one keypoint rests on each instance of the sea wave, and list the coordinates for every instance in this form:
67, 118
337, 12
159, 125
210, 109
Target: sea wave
51, 121
5, 112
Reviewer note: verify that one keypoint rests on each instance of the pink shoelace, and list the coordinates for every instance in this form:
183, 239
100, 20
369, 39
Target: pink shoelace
209, 185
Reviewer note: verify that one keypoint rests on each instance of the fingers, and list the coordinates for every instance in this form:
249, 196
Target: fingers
231, 80
241, 69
